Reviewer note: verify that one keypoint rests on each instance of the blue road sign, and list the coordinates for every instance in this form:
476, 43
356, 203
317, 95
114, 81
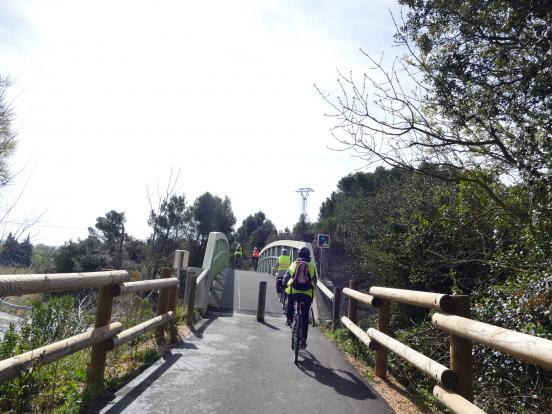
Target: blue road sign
324, 241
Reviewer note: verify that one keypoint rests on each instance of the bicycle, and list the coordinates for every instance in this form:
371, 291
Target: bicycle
297, 329
283, 298
280, 290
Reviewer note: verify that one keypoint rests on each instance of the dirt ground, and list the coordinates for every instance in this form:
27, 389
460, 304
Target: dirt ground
390, 390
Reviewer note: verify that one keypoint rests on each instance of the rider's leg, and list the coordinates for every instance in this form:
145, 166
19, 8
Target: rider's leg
307, 299
289, 310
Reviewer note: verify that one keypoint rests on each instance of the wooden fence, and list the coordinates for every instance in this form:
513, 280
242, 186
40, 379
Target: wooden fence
452, 315
106, 334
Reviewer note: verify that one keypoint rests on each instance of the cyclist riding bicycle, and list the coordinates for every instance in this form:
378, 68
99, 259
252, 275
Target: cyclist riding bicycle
300, 280
255, 258
284, 262
238, 256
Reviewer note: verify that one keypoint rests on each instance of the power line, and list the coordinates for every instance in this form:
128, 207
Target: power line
22, 223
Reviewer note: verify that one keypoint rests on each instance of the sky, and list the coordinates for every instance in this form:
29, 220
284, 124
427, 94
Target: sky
113, 98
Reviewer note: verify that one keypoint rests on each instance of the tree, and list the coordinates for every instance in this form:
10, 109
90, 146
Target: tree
10, 251
473, 96
15, 253
26, 252
302, 230
136, 250
86, 255
112, 228
211, 213
249, 225
263, 235
7, 137
169, 224
43, 258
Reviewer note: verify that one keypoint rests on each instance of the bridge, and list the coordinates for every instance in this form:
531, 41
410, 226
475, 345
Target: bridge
231, 363
238, 359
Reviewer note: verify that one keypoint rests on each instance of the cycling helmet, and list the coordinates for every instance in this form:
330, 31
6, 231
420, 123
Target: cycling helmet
303, 253
284, 251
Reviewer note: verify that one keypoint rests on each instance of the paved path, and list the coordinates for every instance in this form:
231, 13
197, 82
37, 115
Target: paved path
238, 292
233, 364
5, 320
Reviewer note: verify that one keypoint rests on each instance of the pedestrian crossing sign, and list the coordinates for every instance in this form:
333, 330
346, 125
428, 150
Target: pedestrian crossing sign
324, 241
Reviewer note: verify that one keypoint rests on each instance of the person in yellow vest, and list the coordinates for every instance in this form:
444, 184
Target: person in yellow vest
300, 281
238, 256
281, 268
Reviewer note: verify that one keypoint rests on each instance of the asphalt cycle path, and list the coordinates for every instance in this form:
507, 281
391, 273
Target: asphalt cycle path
5, 320
233, 364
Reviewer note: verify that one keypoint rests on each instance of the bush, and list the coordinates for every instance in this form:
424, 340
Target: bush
48, 322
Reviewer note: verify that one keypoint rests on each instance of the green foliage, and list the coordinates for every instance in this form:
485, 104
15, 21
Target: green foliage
350, 344
15, 253
86, 255
486, 66
256, 231
411, 231
61, 386
524, 305
38, 389
168, 224
43, 258
212, 213
7, 137
302, 230
112, 228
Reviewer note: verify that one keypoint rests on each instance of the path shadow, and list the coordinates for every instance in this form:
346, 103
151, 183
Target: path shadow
222, 293
124, 402
271, 326
351, 386
185, 345
198, 333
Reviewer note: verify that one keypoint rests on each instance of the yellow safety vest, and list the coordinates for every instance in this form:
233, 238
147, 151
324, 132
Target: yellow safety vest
283, 262
312, 271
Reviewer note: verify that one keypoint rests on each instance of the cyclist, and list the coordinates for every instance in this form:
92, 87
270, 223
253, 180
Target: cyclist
255, 257
300, 280
238, 256
281, 268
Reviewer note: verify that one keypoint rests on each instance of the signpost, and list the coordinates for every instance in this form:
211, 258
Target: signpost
323, 243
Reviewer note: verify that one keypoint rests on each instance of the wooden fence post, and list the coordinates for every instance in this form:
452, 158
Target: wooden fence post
383, 326
261, 302
180, 264
191, 280
163, 303
352, 310
104, 308
173, 295
461, 351
336, 306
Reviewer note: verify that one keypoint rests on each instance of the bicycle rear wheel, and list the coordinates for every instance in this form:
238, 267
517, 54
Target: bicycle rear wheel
294, 327
298, 335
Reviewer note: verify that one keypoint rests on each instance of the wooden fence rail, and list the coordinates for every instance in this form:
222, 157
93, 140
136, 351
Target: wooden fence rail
17, 285
452, 315
106, 335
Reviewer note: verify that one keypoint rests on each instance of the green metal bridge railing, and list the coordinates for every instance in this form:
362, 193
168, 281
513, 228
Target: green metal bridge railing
216, 259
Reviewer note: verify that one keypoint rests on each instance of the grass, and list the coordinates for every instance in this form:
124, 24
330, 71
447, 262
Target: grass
60, 387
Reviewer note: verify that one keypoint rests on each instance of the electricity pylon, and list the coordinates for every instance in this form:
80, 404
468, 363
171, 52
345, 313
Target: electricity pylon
304, 195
